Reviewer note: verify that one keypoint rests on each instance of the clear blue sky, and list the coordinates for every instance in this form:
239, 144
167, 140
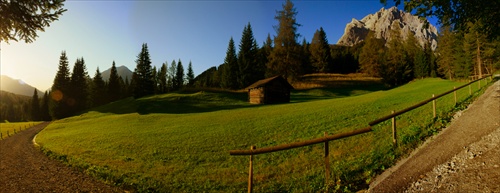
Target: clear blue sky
196, 31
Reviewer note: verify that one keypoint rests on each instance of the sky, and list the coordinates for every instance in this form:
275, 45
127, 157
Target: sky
193, 30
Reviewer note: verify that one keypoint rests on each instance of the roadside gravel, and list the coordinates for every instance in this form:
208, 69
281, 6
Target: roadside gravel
463, 157
24, 168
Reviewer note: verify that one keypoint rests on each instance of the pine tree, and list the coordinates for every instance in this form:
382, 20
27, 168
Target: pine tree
421, 64
190, 75
247, 59
99, 91
179, 76
265, 52
230, 67
154, 78
172, 70
35, 107
162, 78
44, 108
306, 58
285, 58
59, 107
396, 70
321, 57
445, 50
79, 92
144, 84
114, 87
371, 55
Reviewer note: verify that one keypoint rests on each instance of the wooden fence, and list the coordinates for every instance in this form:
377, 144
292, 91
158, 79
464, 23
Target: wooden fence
253, 151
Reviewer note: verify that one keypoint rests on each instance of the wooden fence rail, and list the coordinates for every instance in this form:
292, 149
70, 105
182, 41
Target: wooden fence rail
253, 151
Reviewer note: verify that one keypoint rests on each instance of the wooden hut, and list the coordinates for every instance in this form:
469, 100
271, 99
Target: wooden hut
271, 90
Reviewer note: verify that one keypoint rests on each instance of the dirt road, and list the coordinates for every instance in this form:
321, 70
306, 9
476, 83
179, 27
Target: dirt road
24, 168
463, 157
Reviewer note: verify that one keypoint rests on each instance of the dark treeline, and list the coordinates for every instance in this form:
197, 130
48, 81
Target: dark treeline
74, 92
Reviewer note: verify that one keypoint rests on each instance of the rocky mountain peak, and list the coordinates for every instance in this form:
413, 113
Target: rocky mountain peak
380, 23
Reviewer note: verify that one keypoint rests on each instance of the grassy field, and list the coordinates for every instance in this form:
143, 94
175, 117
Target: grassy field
8, 128
180, 141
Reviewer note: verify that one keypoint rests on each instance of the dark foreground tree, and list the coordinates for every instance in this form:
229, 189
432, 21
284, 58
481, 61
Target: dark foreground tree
248, 59
22, 19
321, 58
143, 85
229, 68
190, 75
114, 87
285, 58
79, 86
179, 76
59, 107
98, 94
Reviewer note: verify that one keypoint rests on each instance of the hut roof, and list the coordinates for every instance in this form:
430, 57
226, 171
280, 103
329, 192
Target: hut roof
267, 80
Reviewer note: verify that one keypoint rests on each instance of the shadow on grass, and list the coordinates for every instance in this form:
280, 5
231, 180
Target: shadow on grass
341, 91
202, 101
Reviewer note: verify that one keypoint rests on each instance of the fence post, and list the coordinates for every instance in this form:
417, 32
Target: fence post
250, 172
327, 163
394, 135
455, 94
470, 90
433, 107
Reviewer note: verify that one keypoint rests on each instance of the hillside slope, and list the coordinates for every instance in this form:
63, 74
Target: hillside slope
181, 141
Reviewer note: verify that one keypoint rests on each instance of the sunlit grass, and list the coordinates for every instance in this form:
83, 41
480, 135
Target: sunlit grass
9, 129
181, 142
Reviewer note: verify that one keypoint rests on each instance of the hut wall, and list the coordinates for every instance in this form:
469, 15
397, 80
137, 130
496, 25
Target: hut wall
256, 95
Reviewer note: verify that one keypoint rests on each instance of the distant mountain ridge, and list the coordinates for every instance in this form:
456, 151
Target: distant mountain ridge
17, 86
381, 22
122, 71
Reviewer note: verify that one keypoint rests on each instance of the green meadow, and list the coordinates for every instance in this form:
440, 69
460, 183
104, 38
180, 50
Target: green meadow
9, 129
180, 142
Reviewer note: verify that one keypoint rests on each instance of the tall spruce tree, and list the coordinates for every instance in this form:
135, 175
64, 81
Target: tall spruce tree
285, 58
230, 67
59, 107
247, 59
144, 84
179, 76
99, 91
114, 87
35, 107
79, 86
321, 57
190, 75
162, 78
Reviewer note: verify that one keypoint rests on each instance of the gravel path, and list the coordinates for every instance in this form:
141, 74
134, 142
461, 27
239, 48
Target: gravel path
464, 157
24, 168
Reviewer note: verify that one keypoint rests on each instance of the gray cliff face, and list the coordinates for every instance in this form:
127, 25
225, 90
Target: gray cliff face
381, 22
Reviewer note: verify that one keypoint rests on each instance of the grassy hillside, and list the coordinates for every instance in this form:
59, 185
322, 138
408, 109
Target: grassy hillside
180, 141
